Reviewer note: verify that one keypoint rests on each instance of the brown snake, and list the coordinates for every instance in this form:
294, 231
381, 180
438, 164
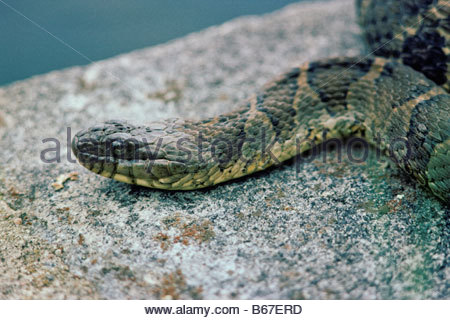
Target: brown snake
396, 99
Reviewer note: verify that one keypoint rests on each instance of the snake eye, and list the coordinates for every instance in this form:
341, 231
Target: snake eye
125, 149
117, 149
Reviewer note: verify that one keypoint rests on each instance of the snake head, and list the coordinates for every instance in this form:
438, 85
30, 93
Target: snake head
152, 156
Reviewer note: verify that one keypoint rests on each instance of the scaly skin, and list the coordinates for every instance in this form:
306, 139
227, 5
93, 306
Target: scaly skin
394, 107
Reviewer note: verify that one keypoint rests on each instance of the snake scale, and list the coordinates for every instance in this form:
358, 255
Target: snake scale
396, 99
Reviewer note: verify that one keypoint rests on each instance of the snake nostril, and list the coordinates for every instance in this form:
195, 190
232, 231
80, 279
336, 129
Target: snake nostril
86, 144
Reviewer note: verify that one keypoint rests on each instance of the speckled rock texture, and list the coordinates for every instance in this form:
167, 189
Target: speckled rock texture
321, 228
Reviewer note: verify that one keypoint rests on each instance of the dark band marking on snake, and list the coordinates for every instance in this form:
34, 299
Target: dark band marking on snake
396, 98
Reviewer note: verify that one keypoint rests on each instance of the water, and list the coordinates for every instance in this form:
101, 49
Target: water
100, 29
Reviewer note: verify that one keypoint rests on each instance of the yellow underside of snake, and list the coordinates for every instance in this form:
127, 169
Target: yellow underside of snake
383, 101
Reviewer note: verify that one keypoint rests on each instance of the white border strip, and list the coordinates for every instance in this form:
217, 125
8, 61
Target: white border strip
268, 309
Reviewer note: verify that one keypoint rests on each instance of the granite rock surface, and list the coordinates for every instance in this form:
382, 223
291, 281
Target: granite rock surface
323, 228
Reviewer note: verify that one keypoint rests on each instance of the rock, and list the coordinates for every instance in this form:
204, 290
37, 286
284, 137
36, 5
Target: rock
305, 230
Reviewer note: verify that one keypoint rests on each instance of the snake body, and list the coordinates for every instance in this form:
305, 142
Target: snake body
396, 100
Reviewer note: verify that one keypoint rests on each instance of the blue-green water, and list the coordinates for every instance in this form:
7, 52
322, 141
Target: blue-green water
102, 28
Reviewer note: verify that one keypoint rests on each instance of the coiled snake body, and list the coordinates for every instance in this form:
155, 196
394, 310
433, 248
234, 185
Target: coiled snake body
396, 99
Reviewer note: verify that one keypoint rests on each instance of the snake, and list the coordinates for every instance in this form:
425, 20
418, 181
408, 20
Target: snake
395, 98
